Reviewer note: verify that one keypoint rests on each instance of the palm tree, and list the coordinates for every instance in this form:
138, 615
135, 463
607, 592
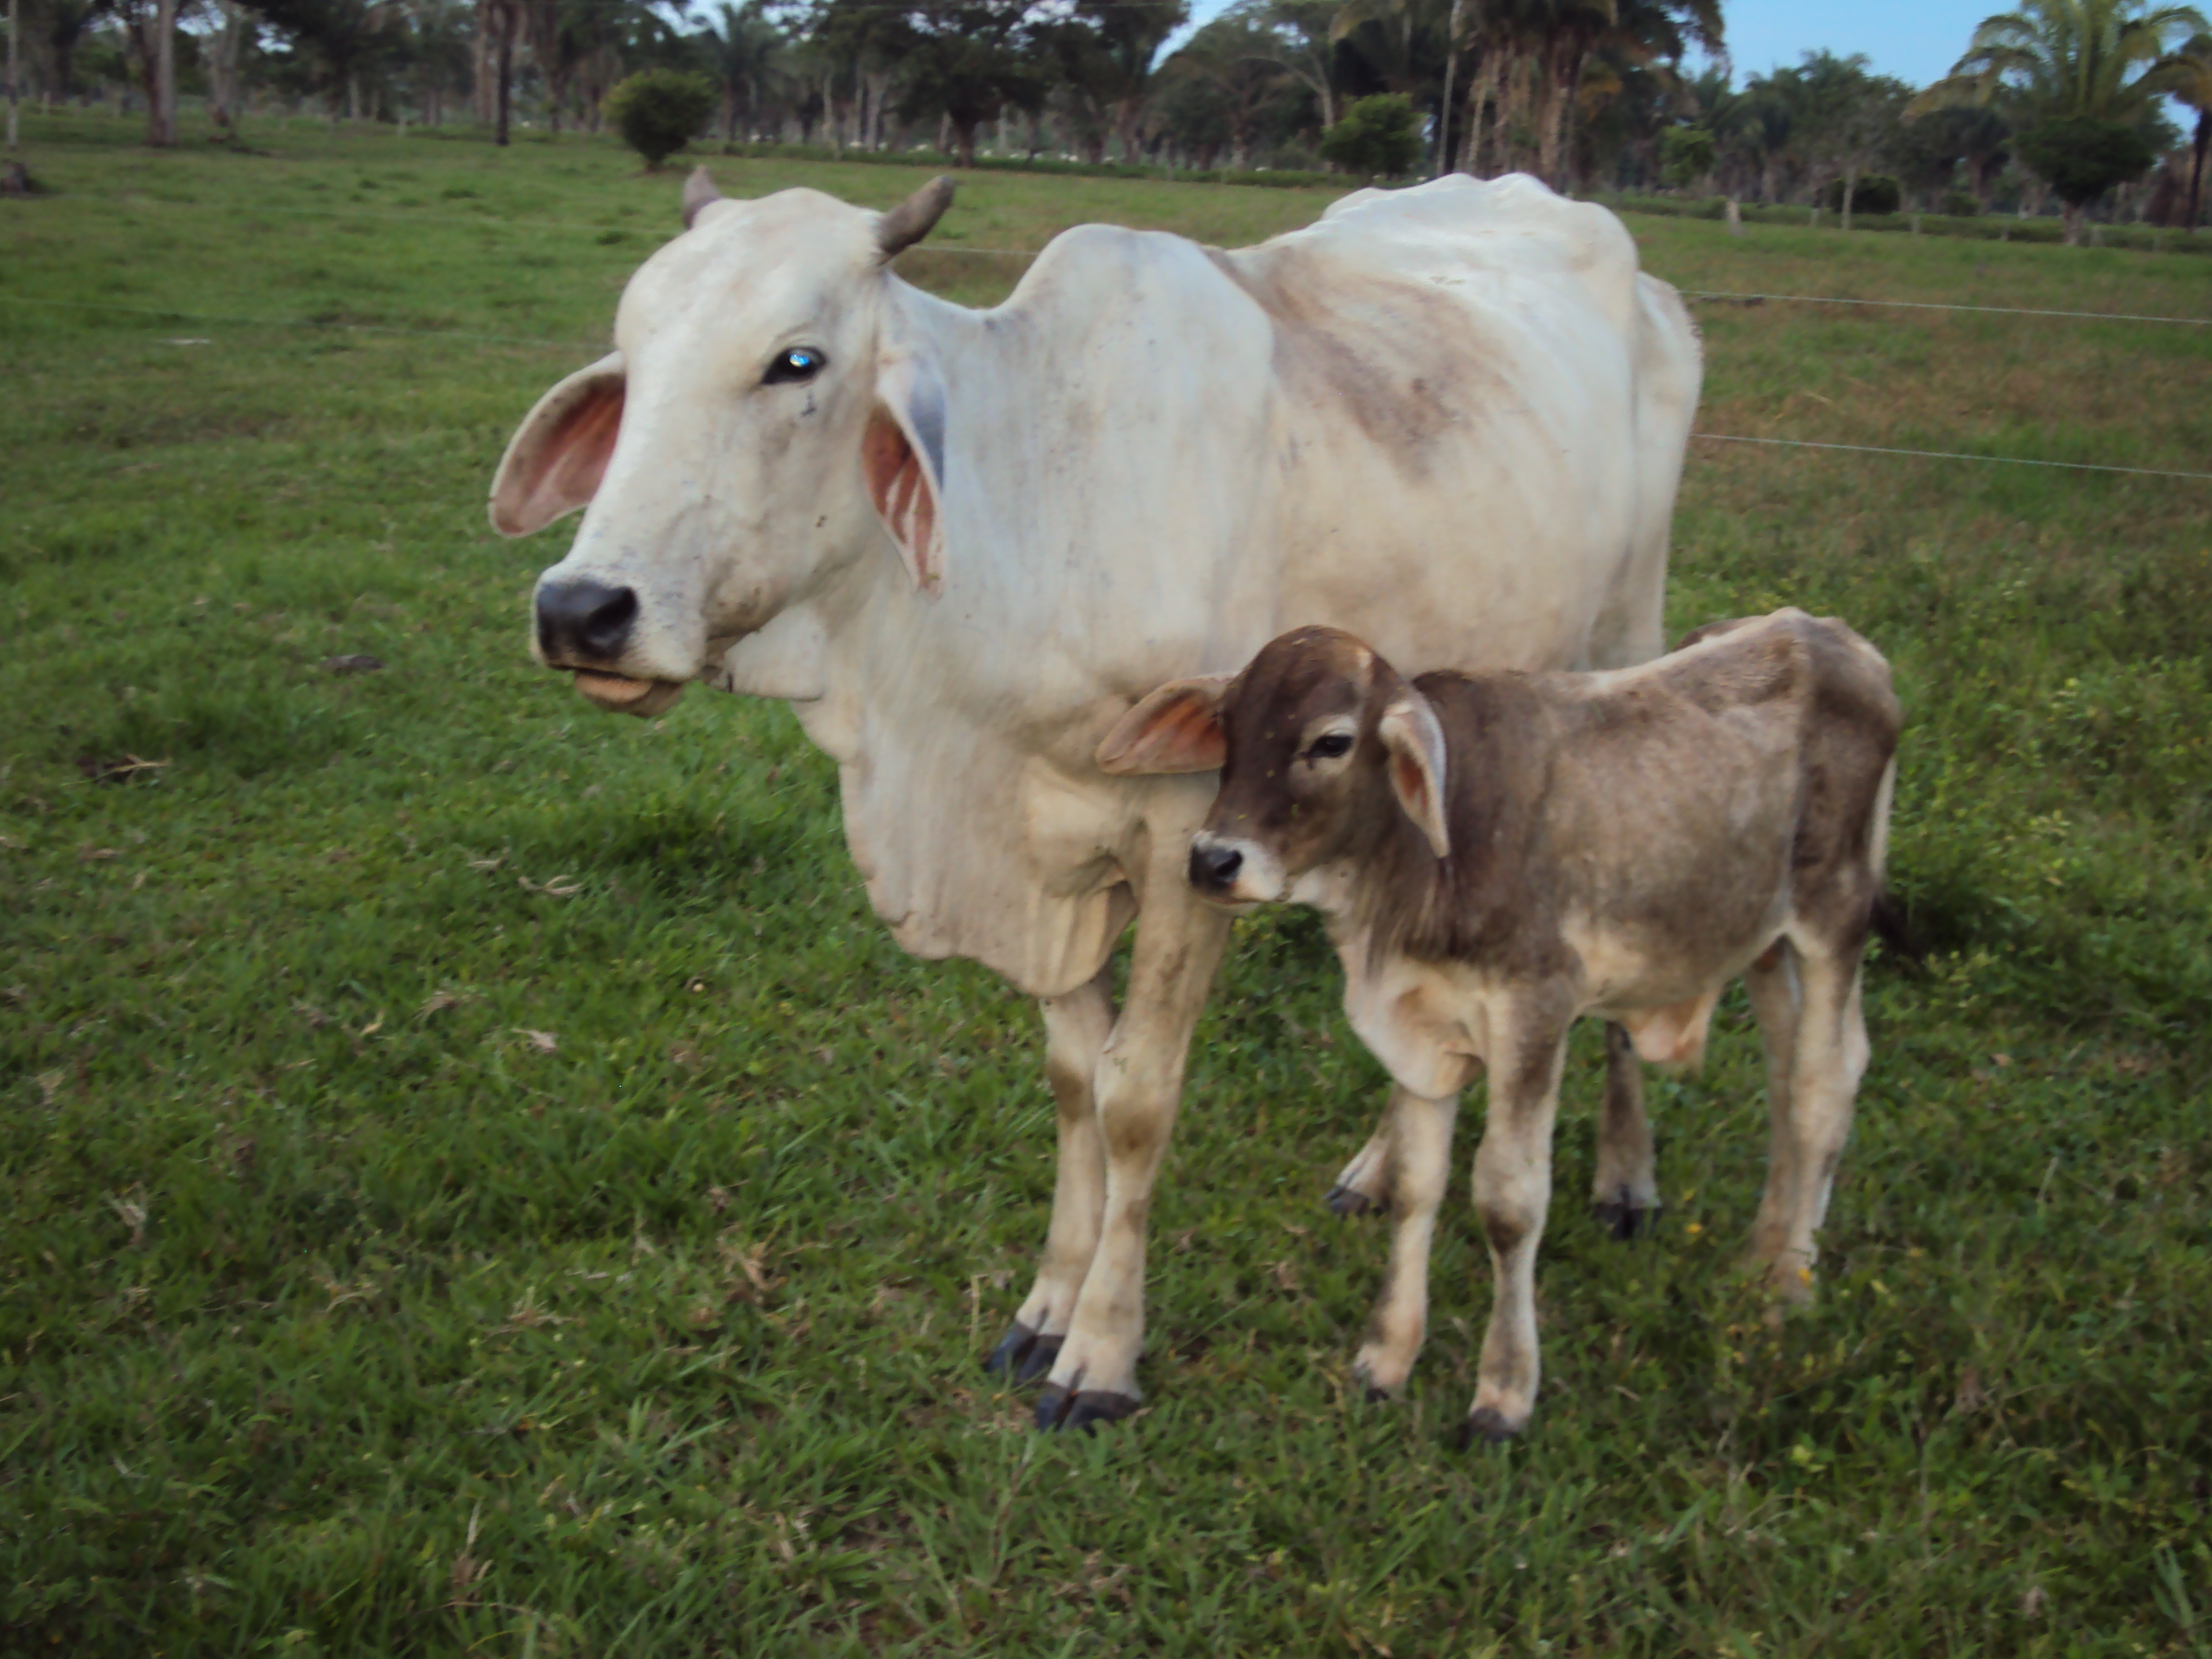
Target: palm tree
743, 48
2188, 76
2066, 60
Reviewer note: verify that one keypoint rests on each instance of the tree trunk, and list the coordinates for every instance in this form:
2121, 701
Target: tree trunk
1850, 189
1451, 75
1126, 114
505, 69
964, 133
2073, 222
2196, 165
15, 68
162, 78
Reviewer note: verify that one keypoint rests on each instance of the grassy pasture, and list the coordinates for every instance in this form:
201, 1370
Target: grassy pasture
478, 1179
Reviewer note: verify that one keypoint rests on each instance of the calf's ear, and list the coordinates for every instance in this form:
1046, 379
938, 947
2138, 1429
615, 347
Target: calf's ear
903, 462
1415, 741
1176, 729
556, 457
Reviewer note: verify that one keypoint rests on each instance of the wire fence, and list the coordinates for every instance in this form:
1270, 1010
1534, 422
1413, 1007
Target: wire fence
545, 343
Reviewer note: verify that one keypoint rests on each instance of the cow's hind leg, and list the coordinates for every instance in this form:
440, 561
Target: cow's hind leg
1362, 1186
1076, 1027
1624, 1194
1139, 1086
1822, 1060
1419, 1163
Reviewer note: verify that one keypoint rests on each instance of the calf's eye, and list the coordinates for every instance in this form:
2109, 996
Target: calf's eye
799, 363
1333, 746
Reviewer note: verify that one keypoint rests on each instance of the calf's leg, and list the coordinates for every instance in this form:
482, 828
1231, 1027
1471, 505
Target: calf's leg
1419, 1163
1828, 1057
1076, 1027
1512, 1192
1138, 1084
1624, 1194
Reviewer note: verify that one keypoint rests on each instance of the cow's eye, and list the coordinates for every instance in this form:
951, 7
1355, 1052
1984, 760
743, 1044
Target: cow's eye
1335, 745
799, 363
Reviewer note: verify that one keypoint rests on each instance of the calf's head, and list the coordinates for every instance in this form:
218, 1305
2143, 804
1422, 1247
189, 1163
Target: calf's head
1324, 749
764, 421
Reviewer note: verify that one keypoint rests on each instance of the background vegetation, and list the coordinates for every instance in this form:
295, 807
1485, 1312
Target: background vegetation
478, 1179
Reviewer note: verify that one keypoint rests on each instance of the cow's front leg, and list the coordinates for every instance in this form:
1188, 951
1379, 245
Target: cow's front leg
1624, 1195
1076, 1027
1138, 1086
1418, 1165
1512, 1191
1362, 1186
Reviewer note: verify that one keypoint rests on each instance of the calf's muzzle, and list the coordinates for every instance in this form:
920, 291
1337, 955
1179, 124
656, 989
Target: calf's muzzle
584, 623
1214, 867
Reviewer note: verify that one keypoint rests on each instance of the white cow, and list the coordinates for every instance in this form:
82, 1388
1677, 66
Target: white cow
963, 543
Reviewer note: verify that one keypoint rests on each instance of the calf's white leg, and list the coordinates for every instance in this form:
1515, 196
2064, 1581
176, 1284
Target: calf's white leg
1624, 1193
1419, 1163
1512, 1193
1138, 1086
1828, 1057
1362, 1186
1076, 1027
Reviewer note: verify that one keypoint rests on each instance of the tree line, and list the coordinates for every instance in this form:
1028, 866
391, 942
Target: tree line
2063, 98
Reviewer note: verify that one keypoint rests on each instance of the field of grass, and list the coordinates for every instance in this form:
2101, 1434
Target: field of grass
477, 1178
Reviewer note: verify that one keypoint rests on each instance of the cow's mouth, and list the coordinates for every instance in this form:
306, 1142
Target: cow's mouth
624, 695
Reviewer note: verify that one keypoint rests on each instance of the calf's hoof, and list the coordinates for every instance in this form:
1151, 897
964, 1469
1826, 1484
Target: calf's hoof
1378, 1395
1624, 1217
1351, 1201
1084, 1409
1021, 1355
1486, 1426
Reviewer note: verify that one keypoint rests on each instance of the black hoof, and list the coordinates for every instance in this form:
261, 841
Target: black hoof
1017, 1342
1057, 1409
1377, 1396
1043, 1353
1487, 1426
1351, 1201
1624, 1219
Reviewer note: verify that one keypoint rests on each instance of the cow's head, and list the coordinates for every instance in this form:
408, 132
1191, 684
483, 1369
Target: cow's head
759, 426
1321, 748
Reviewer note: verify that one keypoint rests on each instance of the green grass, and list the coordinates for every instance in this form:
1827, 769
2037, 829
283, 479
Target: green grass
477, 1177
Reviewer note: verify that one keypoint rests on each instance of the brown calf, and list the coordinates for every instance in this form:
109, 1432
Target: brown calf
1498, 854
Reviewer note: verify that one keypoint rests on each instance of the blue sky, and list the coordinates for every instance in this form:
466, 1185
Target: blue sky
1915, 40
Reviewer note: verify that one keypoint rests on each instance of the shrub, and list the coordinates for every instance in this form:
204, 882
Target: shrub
1686, 156
659, 110
2080, 156
1961, 203
1379, 137
1877, 192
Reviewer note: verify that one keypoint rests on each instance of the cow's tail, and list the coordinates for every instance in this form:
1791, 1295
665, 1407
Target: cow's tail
1891, 926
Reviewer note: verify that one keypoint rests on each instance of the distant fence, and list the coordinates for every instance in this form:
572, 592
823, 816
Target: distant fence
1981, 227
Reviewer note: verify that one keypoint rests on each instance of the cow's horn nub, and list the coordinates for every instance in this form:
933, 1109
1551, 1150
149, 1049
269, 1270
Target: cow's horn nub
698, 191
913, 218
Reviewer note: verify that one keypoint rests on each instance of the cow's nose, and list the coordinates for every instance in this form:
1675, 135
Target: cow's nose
1213, 867
583, 624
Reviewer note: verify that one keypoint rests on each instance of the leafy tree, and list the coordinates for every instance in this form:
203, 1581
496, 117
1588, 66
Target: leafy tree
1224, 88
2082, 156
1875, 192
2188, 76
745, 49
659, 111
1686, 156
1379, 137
970, 62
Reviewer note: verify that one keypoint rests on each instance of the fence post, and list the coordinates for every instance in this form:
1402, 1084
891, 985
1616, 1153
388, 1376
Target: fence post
1734, 218
1916, 224
1814, 223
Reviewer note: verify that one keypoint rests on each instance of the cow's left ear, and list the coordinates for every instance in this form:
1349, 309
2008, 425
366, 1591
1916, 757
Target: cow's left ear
1415, 741
557, 456
1176, 729
902, 460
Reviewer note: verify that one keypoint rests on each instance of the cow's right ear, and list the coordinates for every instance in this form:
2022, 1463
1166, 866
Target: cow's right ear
560, 453
1176, 729
1415, 741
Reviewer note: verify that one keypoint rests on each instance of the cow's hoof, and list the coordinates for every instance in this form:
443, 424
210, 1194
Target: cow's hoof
1044, 1354
1058, 1409
1378, 1396
1487, 1426
1351, 1201
1017, 1344
1624, 1219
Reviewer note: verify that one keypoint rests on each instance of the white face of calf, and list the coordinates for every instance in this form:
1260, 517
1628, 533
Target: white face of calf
759, 426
